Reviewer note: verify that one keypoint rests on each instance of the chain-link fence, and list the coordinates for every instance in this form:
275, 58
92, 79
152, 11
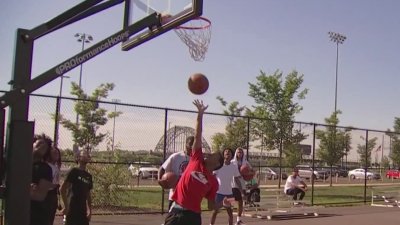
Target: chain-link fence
124, 165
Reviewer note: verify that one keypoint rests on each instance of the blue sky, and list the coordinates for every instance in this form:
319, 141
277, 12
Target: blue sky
247, 36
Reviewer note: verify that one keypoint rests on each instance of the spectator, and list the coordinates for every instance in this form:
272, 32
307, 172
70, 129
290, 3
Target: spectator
54, 161
295, 185
78, 184
41, 180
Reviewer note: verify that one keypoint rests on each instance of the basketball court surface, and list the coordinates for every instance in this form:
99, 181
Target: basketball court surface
356, 215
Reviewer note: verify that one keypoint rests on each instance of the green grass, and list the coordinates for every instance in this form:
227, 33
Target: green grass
339, 195
148, 199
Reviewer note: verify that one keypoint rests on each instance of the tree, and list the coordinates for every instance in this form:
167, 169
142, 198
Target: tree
395, 140
365, 153
236, 129
91, 116
111, 180
334, 143
276, 105
385, 162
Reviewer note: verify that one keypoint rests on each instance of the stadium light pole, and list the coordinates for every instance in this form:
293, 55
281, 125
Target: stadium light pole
84, 38
115, 111
338, 39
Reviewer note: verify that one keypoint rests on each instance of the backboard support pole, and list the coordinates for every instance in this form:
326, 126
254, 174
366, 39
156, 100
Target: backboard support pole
19, 139
20, 131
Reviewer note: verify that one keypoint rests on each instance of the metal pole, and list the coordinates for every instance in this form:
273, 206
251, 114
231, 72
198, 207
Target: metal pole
338, 39
336, 77
113, 136
115, 113
84, 38
81, 67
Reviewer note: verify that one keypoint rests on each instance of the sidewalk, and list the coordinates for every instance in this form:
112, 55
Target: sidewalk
357, 215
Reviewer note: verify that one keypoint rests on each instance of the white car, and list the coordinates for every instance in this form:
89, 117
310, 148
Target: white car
144, 172
360, 174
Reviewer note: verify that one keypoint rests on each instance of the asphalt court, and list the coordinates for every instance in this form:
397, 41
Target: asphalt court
353, 215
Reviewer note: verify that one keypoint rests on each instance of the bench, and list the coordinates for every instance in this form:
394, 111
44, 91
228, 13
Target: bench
385, 196
274, 203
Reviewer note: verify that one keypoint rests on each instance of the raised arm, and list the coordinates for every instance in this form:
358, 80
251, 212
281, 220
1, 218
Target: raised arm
199, 124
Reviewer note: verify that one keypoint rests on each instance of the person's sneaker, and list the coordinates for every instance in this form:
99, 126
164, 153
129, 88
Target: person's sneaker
296, 203
240, 223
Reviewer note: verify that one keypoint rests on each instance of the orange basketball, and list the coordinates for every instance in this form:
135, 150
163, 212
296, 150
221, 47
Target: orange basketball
168, 180
198, 84
246, 172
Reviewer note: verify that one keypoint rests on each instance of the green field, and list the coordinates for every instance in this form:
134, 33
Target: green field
148, 199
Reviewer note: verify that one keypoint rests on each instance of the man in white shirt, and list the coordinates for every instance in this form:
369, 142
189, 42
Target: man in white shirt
295, 185
176, 163
224, 176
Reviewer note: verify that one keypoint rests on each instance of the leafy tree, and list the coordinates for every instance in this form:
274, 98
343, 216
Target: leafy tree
385, 162
91, 116
394, 136
292, 155
110, 180
365, 153
236, 129
219, 141
276, 103
334, 143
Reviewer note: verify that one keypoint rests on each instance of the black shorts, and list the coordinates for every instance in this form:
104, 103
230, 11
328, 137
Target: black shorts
237, 194
77, 218
182, 217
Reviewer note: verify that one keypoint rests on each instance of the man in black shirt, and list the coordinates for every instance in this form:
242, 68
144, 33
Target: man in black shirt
78, 184
41, 180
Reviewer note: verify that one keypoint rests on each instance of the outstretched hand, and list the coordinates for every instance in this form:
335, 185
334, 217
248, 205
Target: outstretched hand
200, 105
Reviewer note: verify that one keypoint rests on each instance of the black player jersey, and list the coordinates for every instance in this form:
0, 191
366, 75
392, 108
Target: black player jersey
82, 183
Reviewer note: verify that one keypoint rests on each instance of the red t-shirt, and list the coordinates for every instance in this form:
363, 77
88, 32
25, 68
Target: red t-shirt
195, 184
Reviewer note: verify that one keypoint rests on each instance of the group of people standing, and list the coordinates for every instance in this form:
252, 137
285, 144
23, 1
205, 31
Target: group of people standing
46, 191
214, 176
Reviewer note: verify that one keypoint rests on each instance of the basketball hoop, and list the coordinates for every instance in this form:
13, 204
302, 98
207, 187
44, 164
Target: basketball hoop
196, 34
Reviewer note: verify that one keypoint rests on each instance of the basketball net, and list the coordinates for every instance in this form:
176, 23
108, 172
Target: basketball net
196, 34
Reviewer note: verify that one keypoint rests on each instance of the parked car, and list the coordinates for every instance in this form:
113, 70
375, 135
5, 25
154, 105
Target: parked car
306, 171
339, 172
360, 174
144, 172
273, 173
395, 174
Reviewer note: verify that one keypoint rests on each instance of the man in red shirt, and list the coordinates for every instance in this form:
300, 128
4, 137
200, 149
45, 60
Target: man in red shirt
197, 182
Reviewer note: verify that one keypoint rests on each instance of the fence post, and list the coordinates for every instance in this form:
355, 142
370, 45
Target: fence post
313, 158
57, 120
164, 154
366, 167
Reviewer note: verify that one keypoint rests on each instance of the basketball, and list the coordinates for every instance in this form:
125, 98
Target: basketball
198, 84
168, 180
246, 172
